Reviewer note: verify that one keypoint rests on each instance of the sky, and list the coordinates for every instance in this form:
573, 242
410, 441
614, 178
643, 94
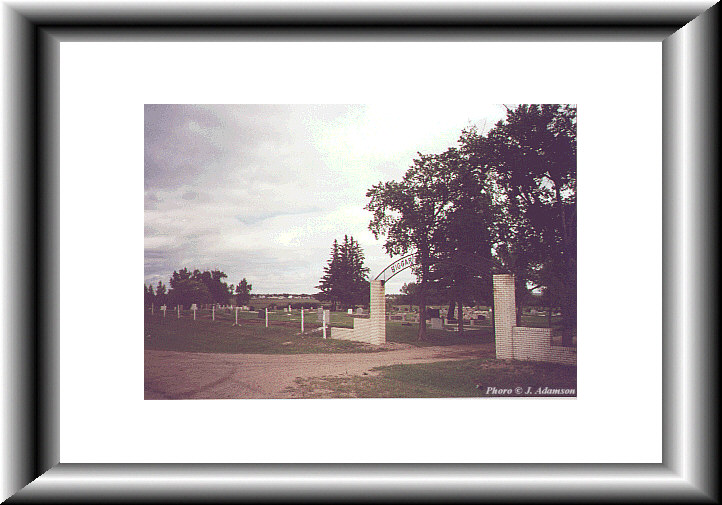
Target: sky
262, 191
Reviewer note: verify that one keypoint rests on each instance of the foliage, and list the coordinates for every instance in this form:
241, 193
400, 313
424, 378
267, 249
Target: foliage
409, 294
243, 292
533, 156
504, 201
411, 213
345, 281
198, 287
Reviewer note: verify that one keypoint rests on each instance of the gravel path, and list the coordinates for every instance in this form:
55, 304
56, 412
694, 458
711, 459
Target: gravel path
188, 375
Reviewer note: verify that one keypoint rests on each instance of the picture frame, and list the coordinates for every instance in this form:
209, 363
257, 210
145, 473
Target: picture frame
688, 34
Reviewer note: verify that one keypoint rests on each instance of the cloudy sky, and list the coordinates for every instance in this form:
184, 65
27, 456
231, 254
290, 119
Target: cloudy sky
261, 191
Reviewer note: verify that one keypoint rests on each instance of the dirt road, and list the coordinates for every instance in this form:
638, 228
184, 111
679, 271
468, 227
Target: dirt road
185, 375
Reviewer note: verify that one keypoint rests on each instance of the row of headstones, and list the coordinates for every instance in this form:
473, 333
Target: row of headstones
468, 312
436, 322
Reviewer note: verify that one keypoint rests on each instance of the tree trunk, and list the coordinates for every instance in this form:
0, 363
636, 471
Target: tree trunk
422, 296
569, 292
461, 317
422, 314
452, 308
569, 316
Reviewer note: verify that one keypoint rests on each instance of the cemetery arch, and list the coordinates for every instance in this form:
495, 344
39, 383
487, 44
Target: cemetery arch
511, 341
397, 266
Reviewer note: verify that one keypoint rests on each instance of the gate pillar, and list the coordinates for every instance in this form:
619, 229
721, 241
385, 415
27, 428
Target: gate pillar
504, 315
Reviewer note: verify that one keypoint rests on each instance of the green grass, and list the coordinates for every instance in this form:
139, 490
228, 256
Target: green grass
203, 335
397, 332
445, 379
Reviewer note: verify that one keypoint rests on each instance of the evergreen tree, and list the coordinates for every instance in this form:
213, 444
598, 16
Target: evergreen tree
345, 279
161, 294
243, 292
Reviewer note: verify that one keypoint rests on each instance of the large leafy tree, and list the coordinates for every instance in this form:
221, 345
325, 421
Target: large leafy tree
410, 213
501, 201
408, 293
345, 280
462, 246
186, 289
532, 158
198, 286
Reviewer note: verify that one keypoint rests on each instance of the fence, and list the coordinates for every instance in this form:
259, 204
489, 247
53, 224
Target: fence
237, 316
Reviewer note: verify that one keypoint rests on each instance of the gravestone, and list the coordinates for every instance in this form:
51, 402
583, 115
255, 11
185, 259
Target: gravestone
194, 306
320, 314
436, 323
349, 311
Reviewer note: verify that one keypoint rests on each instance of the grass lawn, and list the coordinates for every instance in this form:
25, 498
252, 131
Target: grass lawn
447, 379
397, 332
206, 335
203, 335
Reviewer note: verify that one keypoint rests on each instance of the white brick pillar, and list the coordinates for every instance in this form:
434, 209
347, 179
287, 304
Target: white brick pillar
377, 306
504, 315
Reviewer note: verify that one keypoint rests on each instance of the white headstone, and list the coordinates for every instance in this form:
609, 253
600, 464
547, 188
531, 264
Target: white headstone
435, 323
194, 306
350, 311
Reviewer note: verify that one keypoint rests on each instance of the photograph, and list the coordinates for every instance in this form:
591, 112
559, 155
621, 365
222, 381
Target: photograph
296, 251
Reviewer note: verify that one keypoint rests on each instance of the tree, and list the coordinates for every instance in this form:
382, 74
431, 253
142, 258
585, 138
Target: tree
409, 213
409, 294
187, 288
462, 246
535, 159
329, 282
161, 294
148, 295
345, 280
220, 291
243, 292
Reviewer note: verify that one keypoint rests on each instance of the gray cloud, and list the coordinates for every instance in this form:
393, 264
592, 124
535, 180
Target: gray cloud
261, 191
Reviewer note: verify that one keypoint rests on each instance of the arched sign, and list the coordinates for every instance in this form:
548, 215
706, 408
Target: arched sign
397, 266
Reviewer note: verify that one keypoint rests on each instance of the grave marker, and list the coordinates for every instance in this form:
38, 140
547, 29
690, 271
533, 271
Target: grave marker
326, 319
